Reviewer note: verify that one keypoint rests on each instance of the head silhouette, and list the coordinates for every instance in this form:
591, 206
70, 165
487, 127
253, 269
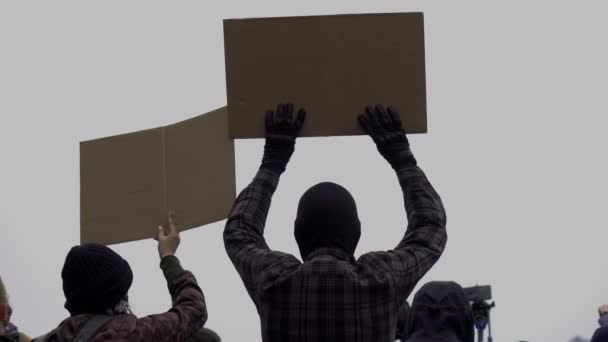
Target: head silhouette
327, 217
441, 312
95, 278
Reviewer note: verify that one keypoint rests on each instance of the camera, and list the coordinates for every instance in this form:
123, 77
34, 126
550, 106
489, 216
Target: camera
479, 297
478, 293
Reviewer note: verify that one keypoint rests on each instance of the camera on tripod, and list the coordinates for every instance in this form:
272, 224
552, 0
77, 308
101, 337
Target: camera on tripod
479, 298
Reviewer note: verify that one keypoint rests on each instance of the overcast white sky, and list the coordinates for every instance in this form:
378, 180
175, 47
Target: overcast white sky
516, 149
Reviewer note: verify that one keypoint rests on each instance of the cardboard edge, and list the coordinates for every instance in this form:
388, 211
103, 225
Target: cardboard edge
119, 135
254, 19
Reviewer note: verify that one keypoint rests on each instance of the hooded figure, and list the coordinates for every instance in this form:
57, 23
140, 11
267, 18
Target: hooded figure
441, 313
327, 217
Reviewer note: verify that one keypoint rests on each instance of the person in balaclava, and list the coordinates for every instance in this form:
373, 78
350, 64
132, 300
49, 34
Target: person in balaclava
441, 313
96, 281
330, 295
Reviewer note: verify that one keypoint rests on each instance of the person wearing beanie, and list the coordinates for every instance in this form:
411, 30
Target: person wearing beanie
330, 295
441, 312
8, 331
96, 282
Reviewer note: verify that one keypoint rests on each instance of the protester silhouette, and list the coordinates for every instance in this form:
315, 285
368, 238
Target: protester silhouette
96, 281
330, 296
441, 313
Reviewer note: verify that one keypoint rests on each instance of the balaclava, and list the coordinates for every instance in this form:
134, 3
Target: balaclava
95, 279
327, 217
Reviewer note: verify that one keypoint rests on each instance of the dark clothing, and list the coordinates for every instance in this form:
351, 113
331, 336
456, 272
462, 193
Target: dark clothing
327, 217
12, 334
332, 297
403, 321
600, 335
441, 312
188, 314
95, 278
205, 335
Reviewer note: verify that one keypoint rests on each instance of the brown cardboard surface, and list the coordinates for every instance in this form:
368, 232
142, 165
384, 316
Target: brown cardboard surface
121, 187
129, 182
332, 65
200, 169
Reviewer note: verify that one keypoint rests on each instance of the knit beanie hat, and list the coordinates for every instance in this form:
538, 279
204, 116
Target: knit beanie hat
327, 217
95, 278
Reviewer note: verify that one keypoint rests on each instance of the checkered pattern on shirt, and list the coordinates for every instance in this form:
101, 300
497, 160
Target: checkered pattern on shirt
332, 297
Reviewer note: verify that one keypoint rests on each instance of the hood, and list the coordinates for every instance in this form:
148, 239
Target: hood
327, 218
441, 312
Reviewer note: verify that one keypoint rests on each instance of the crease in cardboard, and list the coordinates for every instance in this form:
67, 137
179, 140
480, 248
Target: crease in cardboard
163, 135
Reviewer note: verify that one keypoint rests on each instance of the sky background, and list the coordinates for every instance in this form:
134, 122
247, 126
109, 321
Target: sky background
516, 149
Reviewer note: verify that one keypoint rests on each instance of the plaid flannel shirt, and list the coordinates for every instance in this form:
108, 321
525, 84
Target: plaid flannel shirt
332, 297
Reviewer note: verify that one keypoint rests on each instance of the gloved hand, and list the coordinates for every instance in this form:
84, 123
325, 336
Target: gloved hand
385, 128
281, 133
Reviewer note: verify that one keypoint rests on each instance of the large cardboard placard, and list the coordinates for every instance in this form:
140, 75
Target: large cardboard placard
331, 65
129, 182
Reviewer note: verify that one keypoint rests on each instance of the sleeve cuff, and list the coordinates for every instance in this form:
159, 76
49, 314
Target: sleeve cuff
171, 266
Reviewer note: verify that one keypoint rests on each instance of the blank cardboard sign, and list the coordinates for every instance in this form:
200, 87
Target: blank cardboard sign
129, 182
331, 65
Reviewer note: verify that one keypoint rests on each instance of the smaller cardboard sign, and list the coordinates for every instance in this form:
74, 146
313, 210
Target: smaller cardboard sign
130, 182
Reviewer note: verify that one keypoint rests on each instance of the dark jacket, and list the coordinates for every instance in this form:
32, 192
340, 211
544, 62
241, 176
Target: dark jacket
600, 335
441, 313
188, 314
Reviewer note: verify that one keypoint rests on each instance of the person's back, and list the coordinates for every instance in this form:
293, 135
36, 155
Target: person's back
441, 313
330, 296
96, 281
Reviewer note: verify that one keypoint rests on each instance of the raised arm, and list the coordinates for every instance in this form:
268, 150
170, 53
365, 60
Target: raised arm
189, 311
244, 231
425, 236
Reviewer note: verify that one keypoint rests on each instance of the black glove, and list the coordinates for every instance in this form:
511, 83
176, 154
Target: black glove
281, 133
386, 130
